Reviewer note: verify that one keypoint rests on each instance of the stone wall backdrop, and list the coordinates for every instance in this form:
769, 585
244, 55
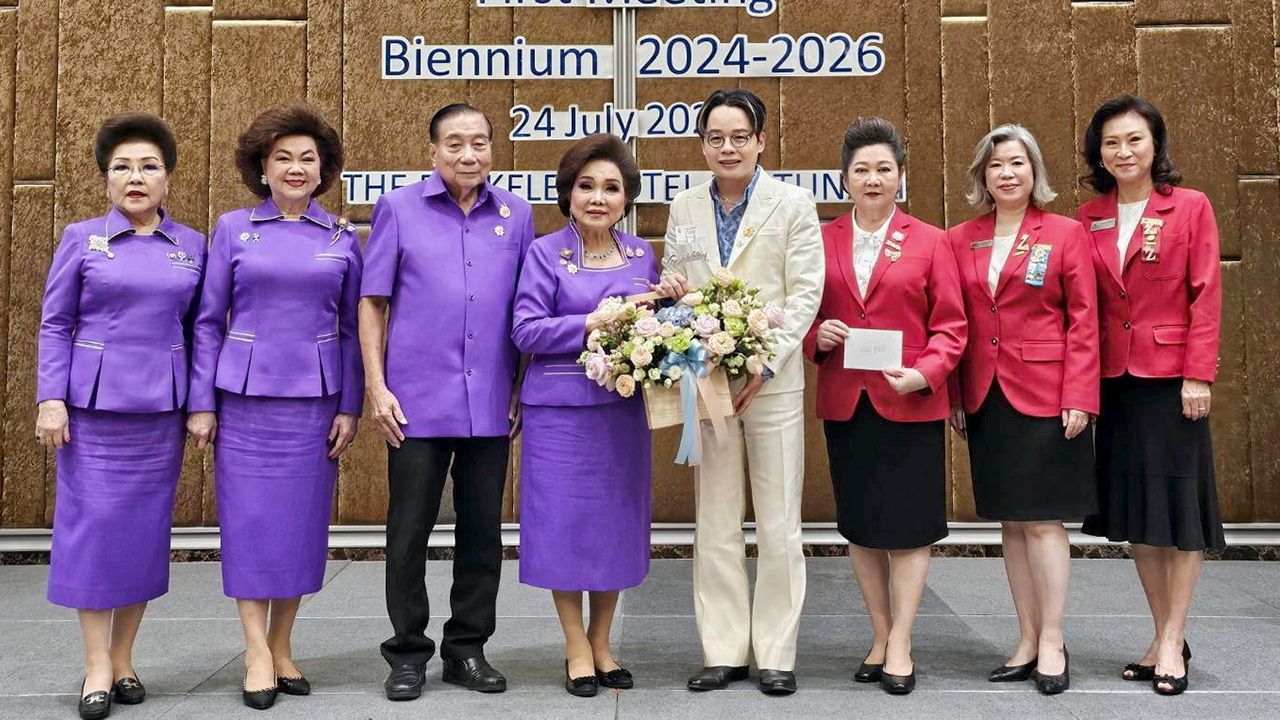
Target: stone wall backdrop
954, 69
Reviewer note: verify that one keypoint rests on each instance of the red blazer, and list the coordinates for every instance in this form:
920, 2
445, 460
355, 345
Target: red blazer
1041, 342
919, 294
1162, 318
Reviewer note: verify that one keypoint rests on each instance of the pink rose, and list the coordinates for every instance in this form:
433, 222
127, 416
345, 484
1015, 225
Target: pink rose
625, 385
647, 326
774, 314
598, 368
706, 325
723, 277
641, 357
757, 321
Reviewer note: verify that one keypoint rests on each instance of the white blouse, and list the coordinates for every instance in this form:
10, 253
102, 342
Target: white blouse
1000, 248
866, 250
1130, 214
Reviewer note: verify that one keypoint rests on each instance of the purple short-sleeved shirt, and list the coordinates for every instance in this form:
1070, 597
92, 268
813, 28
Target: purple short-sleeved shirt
451, 280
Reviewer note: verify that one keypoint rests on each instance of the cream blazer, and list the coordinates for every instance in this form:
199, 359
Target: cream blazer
778, 250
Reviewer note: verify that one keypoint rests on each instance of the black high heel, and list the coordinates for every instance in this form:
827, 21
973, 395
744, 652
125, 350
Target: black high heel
1013, 673
899, 684
585, 686
1054, 684
259, 699
1177, 685
94, 706
1144, 673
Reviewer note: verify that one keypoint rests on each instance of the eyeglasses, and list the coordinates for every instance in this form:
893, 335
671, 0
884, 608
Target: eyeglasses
716, 140
124, 170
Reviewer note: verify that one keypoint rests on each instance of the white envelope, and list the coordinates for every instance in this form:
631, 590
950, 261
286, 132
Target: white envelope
873, 349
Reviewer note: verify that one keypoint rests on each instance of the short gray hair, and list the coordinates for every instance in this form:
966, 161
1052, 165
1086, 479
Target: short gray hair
1041, 193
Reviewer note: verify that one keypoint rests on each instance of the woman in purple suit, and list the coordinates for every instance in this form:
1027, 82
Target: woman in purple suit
276, 337
584, 468
112, 381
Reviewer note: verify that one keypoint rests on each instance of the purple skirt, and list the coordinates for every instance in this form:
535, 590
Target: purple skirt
585, 496
274, 483
114, 508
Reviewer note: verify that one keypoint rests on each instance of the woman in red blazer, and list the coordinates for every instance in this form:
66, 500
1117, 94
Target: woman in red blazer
886, 429
1155, 249
1028, 383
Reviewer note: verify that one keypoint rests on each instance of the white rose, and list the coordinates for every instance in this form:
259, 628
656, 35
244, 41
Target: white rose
693, 299
722, 343
755, 365
641, 356
732, 308
758, 321
626, 385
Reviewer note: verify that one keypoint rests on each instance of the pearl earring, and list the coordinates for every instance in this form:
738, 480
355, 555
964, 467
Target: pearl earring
264, 179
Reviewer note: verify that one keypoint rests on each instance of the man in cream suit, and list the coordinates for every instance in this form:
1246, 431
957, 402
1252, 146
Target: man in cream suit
765, 232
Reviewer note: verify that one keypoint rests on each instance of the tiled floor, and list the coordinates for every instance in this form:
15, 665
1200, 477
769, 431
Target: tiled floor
189, 651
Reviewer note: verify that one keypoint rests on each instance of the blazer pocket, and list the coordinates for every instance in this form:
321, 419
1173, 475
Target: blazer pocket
86, 365
1170, 334
1040, 351
233, 364
331, 364
910, 355
1171, 263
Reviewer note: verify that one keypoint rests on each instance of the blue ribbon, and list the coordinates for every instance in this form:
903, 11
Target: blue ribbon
693, 363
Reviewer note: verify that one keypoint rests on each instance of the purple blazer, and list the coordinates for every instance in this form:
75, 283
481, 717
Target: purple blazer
555, 295
292, 290
117, 315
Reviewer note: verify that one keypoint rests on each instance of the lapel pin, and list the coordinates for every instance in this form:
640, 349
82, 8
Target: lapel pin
499, 230
100, 243
573, 269
504, 211
639, 252
1022, 245
749, 232
630, 252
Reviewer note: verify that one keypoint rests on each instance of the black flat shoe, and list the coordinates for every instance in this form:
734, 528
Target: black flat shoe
777, 682
617, 679
717, 677
1054, 684
1013, 673
293, 686
1177, 685
474, 673
405, 682
585, 686
868, 672
1145, 673
128, 691
259, 699
94, 706
898, 684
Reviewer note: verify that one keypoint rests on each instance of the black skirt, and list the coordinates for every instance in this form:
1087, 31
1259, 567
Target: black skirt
1155, 475
1024, 467
889, 479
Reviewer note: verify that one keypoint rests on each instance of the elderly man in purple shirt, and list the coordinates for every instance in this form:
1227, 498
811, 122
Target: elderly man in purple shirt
442, 262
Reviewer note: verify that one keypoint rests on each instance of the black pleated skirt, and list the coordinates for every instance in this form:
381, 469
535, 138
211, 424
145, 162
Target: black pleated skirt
1155, 474
1024, 468
889, 479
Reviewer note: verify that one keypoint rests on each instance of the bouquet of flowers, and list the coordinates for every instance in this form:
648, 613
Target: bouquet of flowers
721, 326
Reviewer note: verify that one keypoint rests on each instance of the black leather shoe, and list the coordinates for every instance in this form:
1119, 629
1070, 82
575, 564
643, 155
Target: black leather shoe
1013, 673
1054, 684
94, 706
717, 677
405, 682
1176, 685
617, 679
777, 682
259, 699
868, 672
898, 684
474, 674
293, 686
1144, 673
128, 691
585, 686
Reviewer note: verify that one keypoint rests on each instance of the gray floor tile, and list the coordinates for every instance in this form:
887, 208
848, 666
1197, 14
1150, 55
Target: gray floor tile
743, 701
1192, 705
1261, 580
63, 707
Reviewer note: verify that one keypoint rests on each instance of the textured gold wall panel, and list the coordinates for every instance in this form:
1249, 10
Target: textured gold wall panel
953, 68
1184, 71
8, 57
1031, 83
108, 62
1260, 236
1230, 412
25, 462
966, 107
37, 90
259, 9
1256, 86
1165, 12
1106, 64
924, 128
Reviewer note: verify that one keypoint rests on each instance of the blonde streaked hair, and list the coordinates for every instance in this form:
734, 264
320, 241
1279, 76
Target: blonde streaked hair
1041, 193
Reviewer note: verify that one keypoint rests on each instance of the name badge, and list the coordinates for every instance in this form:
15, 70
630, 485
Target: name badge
1038, 264
1103, 224
981, 244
